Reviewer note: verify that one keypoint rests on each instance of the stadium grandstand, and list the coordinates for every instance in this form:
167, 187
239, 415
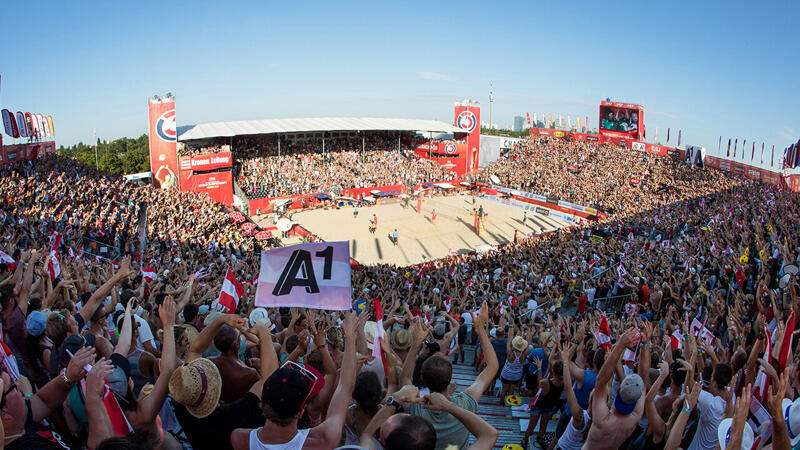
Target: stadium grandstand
632, 282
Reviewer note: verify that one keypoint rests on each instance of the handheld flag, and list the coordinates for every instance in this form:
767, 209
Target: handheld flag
230, 293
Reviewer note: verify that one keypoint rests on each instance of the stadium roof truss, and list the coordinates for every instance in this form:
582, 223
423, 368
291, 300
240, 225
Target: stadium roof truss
283, 126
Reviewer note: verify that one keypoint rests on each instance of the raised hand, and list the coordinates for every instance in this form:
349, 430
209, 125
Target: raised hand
83, 357
167, 312
95, 380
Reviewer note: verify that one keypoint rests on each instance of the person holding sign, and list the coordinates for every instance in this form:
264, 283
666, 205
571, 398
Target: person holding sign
284, 397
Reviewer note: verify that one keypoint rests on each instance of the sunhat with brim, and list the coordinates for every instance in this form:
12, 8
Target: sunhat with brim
191, 332
519, 343
791, 414
260, 315
370, 328
197, 386
401, 339
724, 434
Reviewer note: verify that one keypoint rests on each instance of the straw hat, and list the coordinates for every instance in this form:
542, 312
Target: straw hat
197, 385
401, 339
519, 343
370, 328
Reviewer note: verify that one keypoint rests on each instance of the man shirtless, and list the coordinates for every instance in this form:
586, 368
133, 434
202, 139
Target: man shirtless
611, 427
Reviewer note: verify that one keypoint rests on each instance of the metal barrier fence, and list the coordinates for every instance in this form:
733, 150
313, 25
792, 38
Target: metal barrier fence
612, 304
101, 250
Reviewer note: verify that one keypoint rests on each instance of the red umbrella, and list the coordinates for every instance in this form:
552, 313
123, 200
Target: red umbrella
249, 232
248, 226
236, 216
263, 234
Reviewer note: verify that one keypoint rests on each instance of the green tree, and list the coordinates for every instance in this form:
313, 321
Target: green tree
134, 159
110, 162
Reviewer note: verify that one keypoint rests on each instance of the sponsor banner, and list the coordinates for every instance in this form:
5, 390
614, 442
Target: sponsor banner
315, 275
640, 146
206, 162
559, 134
43, 126
674, 153
738, 169
468, 118
163, 151
23, 128
509, 142
553, 200
218, 185
589, 137
29, 124
542, 211
7, 123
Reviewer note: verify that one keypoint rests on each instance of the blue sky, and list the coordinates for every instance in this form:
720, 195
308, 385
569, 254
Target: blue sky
708, 68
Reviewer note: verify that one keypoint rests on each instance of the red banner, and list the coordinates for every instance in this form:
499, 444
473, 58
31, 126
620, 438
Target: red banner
211, 161
9, 123
163, 150
218, 186
468, 118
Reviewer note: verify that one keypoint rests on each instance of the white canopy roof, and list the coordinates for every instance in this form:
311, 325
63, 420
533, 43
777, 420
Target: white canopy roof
280, 126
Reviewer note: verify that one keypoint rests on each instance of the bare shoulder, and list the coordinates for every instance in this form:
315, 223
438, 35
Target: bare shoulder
240, 438
321, 437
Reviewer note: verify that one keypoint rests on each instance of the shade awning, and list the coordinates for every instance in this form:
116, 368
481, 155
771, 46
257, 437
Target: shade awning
310, 125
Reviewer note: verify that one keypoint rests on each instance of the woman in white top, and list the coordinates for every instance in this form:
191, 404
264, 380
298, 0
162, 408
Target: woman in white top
511, 375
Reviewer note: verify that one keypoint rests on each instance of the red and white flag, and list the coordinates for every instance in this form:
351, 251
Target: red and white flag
54, 266
447, 303
5, 258
231, 292
379, 332
762, 379
149, 274
786, 347
603, 334
676, 339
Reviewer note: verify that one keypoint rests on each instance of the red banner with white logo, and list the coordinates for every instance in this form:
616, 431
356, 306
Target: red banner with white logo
163, 149
218, 185
211, 161
468, 118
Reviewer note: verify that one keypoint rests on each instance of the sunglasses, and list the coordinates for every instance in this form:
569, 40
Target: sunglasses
310, 376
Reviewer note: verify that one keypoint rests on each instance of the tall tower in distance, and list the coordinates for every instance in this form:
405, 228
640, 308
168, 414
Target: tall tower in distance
491, 104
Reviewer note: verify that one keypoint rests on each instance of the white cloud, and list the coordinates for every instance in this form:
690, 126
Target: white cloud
435, 76
787, 133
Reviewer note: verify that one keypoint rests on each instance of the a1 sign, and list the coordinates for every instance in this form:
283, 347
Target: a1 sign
306, 275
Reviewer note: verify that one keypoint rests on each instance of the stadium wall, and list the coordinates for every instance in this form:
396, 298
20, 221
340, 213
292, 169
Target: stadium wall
266, 204
25, 152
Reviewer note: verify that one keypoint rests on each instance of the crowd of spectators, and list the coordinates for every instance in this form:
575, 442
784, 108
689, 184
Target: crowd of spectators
606, 314
302, 166
613, 180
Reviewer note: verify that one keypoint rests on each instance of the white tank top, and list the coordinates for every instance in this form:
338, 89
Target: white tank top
572, 439
295, 444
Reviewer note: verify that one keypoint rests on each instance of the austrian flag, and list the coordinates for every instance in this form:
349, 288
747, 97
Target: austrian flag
230, 293
603, 334
149, 274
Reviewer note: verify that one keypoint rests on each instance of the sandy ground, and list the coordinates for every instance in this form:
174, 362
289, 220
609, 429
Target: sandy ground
420, 238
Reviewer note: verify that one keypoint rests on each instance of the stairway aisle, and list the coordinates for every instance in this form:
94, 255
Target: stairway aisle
500, 417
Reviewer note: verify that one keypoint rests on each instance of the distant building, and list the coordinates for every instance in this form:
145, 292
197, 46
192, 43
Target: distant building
519, 123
